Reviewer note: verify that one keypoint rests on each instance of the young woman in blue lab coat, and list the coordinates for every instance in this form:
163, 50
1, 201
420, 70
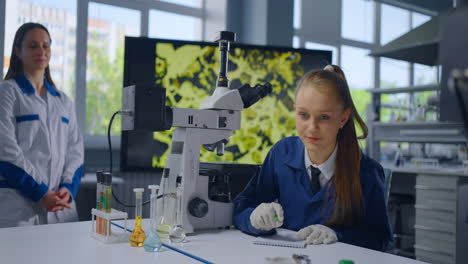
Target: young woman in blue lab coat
319, 183
41, 149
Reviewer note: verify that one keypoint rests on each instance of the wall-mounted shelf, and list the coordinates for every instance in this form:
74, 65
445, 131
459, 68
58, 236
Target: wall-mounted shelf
420, 132
419, 88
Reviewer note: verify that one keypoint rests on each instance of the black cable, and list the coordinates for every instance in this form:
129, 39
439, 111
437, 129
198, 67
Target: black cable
110, 165
128, 205
109, 138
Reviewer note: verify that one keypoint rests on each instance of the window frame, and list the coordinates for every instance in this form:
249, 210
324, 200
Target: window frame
82, 8
144, 6
340, 41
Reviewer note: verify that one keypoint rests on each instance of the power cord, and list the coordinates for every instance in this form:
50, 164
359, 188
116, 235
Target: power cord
111, 165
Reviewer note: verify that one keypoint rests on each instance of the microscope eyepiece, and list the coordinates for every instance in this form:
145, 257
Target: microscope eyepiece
224, 38
251, 95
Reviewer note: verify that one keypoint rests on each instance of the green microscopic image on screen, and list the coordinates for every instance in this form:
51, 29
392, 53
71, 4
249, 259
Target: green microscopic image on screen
188, 71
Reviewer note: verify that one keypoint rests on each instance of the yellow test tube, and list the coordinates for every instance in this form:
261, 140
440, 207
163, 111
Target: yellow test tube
106, 200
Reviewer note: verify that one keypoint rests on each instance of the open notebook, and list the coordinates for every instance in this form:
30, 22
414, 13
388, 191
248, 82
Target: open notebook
282, 238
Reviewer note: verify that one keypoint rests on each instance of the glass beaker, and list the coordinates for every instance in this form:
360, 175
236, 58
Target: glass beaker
167, 207
177, 233
153, 242
138, 235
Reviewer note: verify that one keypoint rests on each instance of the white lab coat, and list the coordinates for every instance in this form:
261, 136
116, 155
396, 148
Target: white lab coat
41, 149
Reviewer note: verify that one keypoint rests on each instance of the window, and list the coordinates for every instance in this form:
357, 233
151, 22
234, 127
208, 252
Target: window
418, 19
359, 71
357, 20
181, 27
190, 3
358, 67
395, 22
393, 73
296, 42
59, 17
424, 74
107, 27
297, 14
318, 46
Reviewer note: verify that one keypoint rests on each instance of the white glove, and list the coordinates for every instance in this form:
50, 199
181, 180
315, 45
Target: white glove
267, 216
317, 234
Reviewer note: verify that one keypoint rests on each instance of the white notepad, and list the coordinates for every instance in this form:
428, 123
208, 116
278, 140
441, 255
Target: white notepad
282, 238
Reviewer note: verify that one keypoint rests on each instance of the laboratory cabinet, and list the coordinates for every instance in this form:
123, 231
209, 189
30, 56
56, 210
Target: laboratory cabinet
441, 218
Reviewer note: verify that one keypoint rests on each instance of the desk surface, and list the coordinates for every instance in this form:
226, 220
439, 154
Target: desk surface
71, 243
233, 246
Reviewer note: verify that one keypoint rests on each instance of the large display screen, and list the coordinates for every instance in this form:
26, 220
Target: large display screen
188, 71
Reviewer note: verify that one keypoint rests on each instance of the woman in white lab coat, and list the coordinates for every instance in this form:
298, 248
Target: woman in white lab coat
41, 149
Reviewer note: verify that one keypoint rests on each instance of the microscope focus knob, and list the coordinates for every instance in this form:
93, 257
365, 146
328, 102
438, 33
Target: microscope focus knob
198, 207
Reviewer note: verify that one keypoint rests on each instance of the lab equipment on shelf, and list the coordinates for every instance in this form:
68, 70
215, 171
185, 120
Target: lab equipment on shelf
424, 163
465, 166
138, 235
399, 159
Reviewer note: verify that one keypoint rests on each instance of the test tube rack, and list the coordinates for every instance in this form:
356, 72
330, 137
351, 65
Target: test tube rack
112, 236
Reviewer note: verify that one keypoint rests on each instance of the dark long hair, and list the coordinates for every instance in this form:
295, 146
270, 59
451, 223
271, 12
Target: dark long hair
347, 180
16, 65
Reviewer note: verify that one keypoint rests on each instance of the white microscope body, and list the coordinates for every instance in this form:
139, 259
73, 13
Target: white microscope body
210, 126
197, 127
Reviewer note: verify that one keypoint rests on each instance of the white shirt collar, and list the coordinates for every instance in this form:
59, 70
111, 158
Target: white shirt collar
327, 168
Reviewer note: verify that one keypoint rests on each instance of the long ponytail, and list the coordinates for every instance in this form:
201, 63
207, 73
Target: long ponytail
346, 180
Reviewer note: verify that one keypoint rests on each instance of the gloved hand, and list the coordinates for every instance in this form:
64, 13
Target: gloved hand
317, 234
267, 216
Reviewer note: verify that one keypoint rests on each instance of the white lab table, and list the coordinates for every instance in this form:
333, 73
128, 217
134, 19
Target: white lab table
233, 246
71, 243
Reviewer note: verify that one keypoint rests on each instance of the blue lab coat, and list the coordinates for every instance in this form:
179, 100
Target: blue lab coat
283, 177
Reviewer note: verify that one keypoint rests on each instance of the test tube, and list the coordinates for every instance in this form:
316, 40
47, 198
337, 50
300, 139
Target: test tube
107, 186
153, 209
177, 233
102, 202
98, 201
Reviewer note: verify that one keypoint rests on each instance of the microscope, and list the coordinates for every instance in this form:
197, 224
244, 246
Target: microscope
210, 126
